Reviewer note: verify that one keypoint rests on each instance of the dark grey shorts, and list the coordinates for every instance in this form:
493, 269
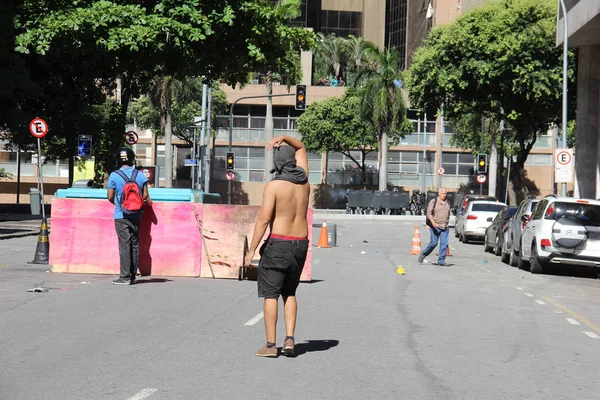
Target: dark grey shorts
280, 267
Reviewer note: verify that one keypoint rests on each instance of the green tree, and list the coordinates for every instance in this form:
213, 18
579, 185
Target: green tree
500, 60
137, 41
382, 104
335, 125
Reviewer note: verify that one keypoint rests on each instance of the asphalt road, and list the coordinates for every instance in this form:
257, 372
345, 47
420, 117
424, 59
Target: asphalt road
478, 329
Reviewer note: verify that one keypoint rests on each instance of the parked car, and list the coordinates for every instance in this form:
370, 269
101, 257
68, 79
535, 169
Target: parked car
512, 240
561, 230
460, 209
495, 233
478, 215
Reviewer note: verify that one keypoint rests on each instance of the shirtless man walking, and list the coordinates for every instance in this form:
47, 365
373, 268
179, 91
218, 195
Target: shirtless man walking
284, 207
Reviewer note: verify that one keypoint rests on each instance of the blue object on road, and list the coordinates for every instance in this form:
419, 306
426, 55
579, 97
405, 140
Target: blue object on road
485, 261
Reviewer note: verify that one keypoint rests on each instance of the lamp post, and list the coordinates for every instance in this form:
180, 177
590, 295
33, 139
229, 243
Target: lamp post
565, 71
231, 128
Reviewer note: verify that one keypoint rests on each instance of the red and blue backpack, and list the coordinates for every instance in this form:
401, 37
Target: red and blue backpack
131, 200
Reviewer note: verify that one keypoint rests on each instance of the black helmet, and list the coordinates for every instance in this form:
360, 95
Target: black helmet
126, 155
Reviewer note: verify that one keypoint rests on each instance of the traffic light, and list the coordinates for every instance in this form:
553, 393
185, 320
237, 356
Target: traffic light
482, 163
230, 161
300, 97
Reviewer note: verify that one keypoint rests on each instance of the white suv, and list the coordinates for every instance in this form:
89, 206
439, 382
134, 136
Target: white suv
561, 230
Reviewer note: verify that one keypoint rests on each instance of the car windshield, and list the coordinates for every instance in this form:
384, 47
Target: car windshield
588, 214
487, 207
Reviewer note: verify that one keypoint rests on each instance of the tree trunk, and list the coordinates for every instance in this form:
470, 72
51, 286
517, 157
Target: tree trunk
493, 166
168, 150
269, 126
324, 161
383, 157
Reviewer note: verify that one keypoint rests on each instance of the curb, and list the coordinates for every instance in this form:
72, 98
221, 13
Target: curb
18, 235
362, 217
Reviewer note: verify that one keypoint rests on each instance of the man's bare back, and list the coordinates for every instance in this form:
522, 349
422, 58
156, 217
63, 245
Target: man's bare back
291, 205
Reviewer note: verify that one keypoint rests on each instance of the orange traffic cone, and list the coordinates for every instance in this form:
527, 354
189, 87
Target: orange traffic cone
416, 242
323, 238
448, 254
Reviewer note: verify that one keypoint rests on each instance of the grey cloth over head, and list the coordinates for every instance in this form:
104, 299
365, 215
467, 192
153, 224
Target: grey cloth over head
285, 166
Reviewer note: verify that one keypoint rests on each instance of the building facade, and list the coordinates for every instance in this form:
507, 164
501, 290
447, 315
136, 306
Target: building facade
413, 163
583, 18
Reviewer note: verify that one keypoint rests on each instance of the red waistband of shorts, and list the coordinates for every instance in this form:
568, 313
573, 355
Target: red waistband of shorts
284, 237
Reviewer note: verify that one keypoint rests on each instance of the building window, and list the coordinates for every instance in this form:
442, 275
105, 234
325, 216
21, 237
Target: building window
341, 23
395, 28
539, 160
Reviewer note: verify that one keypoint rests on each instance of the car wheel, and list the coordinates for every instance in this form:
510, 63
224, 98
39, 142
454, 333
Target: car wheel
512, 258
486, 248
497, 249
537, 267
522, 263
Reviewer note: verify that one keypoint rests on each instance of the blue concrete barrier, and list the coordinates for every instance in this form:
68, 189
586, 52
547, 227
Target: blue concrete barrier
156, 194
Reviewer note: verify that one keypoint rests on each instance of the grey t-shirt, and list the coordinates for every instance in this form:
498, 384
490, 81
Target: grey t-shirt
441, 216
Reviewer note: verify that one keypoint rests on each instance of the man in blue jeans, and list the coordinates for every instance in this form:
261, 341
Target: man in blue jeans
438, 216
127, 224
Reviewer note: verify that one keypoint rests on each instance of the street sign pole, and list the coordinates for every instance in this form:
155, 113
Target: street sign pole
40, 176
38, 128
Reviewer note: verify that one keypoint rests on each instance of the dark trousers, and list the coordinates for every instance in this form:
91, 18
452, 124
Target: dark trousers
128, 232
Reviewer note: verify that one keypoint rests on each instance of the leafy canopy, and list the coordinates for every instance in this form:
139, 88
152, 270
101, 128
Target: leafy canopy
216, 39
335, 125
499, 60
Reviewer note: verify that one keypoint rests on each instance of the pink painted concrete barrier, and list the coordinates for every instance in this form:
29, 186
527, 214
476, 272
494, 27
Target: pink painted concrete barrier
83, 238
226, 227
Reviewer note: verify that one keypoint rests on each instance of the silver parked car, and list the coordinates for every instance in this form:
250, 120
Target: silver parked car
511, 249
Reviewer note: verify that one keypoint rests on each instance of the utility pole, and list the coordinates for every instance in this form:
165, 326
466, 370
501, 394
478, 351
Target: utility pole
482, 138
565, 73
441, 151
202, 132
206, 159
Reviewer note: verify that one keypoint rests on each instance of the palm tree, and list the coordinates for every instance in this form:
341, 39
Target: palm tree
382, 103
164, 89
359, 53
330, 54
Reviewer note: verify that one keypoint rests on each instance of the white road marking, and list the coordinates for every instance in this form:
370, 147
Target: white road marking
528, 295
572, 321
315, 262
591, 334
558, 311
254, 320
487, 270
540, 302
519, 288
142, 394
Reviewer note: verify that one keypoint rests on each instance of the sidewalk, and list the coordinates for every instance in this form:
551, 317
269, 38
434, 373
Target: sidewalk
19, 225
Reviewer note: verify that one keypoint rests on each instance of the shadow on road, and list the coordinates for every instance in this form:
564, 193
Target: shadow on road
153, 280
313, 281
315, 345
572, 270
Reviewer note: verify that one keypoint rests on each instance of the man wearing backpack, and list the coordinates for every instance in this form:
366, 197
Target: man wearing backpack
127, 190
438, 217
